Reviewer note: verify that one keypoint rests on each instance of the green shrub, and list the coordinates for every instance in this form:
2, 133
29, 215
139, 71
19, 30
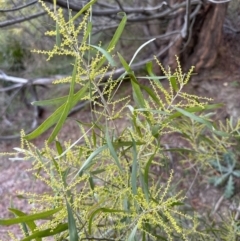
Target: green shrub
104, 186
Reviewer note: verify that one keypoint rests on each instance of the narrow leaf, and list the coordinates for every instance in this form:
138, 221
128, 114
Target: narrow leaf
30, 224
55, 5
140, 48
221, 180
83, 9
47, 232
118, 32
236, 173
59, 147
56, 101
229, 159
149, 91
105, 54
98, 171
89, 160
144, 186
216, 164
115, 38
19, 213
104, 210
146, 169
112, 150
58, 37
134, 169
195, 109
137, 93
173, 82
149, 68
131, 237
67, 106
91, 182
73, 234
229, 189
51, 120
194, 117
118, 144
30, 217
88, 31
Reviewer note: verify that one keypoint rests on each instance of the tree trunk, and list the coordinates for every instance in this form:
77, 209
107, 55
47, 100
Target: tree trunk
202, 48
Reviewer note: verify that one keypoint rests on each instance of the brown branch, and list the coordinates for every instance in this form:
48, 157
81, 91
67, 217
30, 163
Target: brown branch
127, 10
145, 13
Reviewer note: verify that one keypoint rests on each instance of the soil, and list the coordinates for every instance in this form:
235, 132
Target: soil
221, 83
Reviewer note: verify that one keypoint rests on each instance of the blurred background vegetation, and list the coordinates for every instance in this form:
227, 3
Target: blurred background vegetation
194, 30
202, 33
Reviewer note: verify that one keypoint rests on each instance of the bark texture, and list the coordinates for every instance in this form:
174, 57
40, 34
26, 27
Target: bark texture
201, 49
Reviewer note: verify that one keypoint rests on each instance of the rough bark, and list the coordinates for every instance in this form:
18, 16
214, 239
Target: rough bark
205, 37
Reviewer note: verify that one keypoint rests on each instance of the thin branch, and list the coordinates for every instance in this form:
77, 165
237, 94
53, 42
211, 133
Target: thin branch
217, 205
6, 89
146, 31
185, 29
194, 180
190, 30
120, 5
30, 22
18, 8
223, 1
18, 80
232, 29
20, 20
127, 10
236, 218
64, 4
110, 12
196, 10
189, 36
163, 14
37, 81
106, 5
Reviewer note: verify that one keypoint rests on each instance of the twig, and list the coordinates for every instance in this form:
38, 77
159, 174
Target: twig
237, 213
18, 8
185, 29
20, 20
217, 205
232, 29
195, 177
120, 5
113, 11
221, 1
